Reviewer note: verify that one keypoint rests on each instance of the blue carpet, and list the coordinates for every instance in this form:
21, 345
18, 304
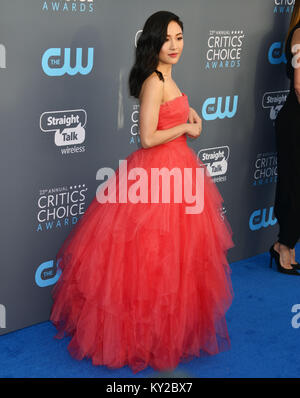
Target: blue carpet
264, 343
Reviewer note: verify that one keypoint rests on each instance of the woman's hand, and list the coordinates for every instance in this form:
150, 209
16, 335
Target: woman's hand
194, 118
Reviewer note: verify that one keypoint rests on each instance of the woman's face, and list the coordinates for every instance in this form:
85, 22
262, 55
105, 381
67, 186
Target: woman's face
172, 45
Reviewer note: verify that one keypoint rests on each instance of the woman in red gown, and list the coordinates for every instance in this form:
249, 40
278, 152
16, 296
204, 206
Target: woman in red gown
146, 282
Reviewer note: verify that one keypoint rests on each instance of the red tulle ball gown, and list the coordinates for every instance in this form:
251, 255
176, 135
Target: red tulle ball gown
147, 284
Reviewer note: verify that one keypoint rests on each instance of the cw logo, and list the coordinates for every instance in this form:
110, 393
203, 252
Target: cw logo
276, 53
260, 219
2, 56
2, 316
47, 274
52, 63
212, 111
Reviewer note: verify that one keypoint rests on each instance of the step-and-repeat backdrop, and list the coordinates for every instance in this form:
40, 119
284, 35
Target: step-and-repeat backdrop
65, 112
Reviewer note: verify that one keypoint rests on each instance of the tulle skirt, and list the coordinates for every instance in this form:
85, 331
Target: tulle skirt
146, 284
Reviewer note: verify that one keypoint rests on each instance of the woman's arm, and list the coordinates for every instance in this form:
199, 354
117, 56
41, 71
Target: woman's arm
295, 48
150, 100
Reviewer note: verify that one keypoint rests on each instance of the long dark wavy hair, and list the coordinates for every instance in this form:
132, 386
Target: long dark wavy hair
148, 47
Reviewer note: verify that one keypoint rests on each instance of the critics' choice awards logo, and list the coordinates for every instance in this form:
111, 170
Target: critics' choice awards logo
283, 6
2, 56
68, 128
216, 162
134, 117
134, 128
57, 62
224, 49
276, 54
68, 6
265, 168
220, 108
60, 207
274, 101
47, 273
262, 218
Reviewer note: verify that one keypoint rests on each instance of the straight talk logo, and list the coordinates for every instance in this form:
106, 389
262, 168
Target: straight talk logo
2, 316
134, 186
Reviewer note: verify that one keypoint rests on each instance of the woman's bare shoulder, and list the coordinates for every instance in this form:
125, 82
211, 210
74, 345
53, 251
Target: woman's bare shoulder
152, 88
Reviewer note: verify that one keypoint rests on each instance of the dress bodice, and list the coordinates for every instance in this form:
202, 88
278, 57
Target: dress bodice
173, 113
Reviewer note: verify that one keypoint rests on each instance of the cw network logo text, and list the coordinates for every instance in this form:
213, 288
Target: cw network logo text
54, 63
216, 108
276, 53
262, 218
47, 273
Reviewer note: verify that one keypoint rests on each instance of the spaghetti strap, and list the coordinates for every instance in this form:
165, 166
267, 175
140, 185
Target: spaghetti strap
160, 75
